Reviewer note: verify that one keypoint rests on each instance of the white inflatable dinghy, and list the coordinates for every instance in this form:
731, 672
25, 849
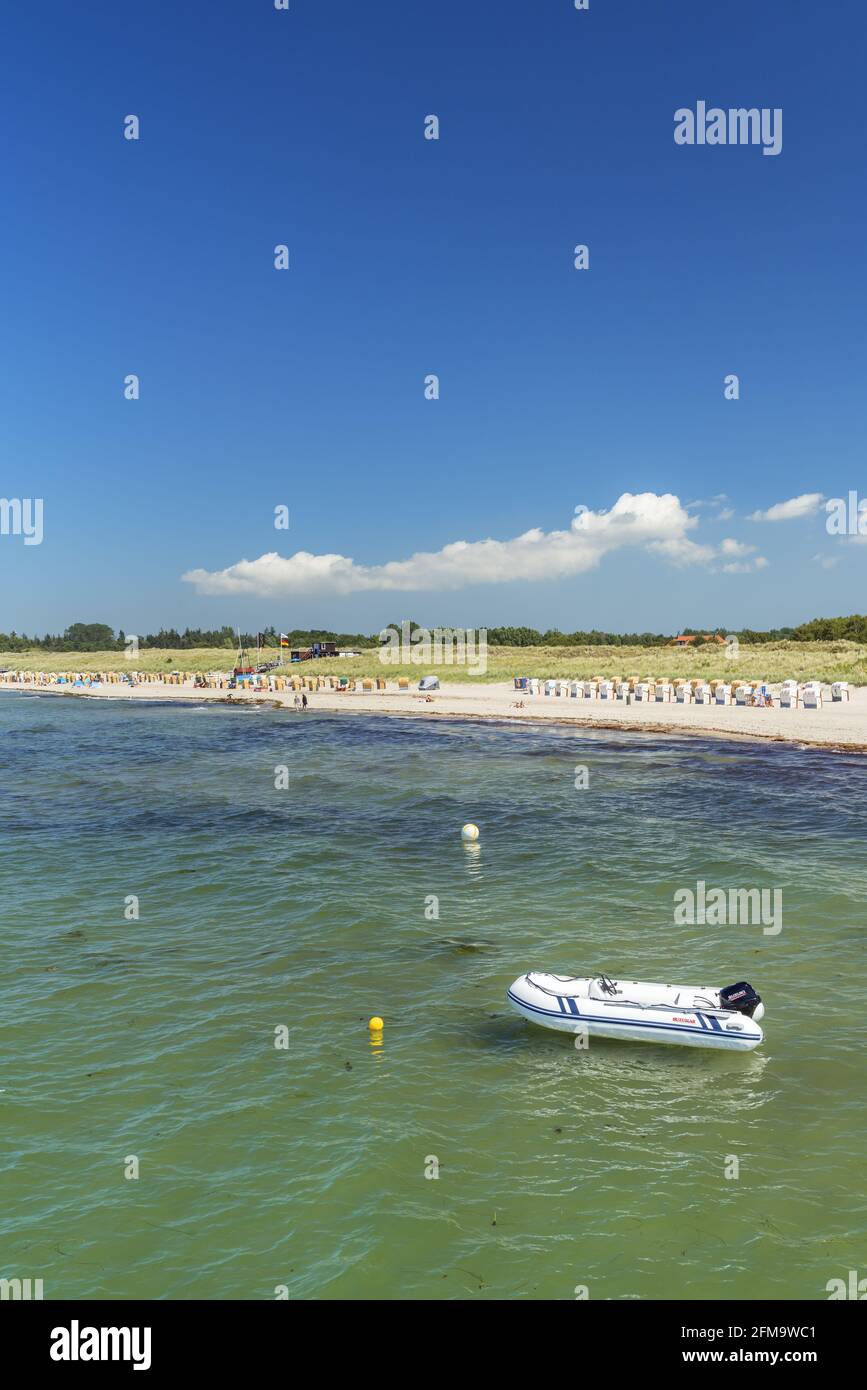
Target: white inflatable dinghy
726, 1019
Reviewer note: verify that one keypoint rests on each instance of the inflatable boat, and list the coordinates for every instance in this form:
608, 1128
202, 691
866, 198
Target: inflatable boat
726, 1019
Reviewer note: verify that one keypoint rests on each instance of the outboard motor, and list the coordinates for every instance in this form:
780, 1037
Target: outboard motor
742, 999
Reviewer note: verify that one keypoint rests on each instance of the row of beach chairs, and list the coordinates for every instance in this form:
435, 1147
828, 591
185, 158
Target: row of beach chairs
790, 694
212, 680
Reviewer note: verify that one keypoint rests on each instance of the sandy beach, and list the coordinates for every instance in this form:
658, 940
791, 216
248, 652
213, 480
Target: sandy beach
841, 726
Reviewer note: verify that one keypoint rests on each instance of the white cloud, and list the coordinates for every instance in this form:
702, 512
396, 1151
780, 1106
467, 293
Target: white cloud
791, 510
827, 561
708, 501
679, 550
655, 522
745, 566
737, 552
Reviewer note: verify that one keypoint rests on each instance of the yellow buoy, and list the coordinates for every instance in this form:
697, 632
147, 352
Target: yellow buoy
470, 832
376, 1024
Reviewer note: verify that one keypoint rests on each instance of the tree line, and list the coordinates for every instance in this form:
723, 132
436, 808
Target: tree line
99, 637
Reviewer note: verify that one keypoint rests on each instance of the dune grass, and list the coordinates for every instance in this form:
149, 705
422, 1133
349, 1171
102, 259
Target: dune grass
772, 662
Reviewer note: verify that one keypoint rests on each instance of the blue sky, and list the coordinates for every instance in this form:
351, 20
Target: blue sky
558, 387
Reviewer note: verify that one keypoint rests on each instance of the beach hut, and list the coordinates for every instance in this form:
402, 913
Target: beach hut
811, 695
790, 695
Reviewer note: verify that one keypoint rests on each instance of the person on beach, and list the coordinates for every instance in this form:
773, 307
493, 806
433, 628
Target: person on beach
304, 702
297, 702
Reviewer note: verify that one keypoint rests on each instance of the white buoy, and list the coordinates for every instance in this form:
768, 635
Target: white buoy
470, 832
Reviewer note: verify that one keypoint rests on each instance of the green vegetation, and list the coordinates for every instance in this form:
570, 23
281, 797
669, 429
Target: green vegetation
99, 637
771, 661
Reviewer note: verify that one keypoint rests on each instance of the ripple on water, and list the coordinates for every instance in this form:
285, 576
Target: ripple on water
309, 909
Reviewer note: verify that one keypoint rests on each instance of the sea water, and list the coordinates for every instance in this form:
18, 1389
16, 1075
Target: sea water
202, 907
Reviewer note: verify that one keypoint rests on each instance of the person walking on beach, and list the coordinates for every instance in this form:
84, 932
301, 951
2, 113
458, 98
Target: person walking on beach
304, 702
297, 702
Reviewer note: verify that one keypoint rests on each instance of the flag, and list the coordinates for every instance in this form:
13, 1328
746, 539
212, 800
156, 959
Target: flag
284, 640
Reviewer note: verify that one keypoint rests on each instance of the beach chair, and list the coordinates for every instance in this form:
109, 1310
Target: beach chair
840, 691
723, 694
549, 687
403, 682
576, 690
811, 695
642, 690
662, 692
702, 693
606, 690
743, 695
590, 690
683, 693
533, 685
790, 695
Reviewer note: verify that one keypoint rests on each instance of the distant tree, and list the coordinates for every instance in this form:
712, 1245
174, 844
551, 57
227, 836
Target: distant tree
89, 637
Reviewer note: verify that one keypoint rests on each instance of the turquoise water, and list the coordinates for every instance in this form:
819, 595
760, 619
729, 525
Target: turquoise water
305, 907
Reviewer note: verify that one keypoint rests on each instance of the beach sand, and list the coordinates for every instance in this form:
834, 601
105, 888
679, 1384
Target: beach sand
841, 726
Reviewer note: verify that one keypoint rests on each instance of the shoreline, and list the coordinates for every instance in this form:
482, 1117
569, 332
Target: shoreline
835, 728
